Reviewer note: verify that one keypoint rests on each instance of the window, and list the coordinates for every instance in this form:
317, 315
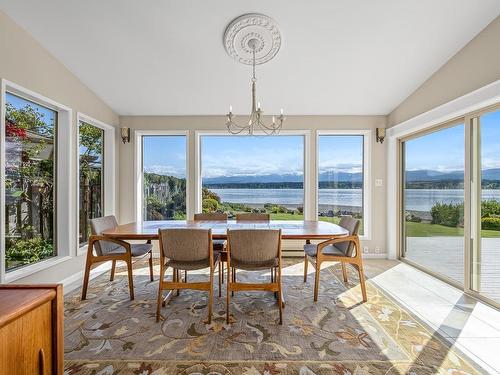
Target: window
91, 179
30, 182
164, 177
433, 202
253, 174
486, 206
341, 177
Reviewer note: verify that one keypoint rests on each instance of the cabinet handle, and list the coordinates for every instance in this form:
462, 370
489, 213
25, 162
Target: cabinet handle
41, 361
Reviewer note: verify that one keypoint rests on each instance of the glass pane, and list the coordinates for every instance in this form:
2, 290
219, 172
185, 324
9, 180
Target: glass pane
253, 174
91, 152
486, 277
30, 132
164, 176
340, 177
434, 202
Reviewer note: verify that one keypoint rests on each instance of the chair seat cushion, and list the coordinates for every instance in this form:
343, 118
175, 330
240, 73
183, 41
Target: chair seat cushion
191, 265
311, 250
138, 249
254, 266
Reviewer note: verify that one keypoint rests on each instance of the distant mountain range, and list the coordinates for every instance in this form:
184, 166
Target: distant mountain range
411, 176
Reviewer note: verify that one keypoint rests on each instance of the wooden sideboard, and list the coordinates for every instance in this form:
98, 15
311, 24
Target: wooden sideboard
31, 329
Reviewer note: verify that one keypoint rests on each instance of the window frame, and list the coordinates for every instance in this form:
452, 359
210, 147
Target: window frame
109, 166
65, 204
138, 167
367, 178
307, 187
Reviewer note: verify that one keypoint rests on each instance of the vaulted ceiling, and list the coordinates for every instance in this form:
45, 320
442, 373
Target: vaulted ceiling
337, 56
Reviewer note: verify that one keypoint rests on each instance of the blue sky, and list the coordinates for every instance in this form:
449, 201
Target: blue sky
165, 155
49, 115
443, 150
342, 153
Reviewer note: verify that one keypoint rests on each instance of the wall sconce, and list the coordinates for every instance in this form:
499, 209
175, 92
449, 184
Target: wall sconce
380, 134
125, 134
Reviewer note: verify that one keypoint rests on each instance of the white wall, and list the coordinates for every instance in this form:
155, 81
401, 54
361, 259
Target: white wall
26, 63
210, 123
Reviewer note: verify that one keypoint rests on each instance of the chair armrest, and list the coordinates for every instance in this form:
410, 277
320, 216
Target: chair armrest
93, 238
353, 238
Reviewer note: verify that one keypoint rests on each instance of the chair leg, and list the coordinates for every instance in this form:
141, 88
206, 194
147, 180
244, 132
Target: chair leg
316, 280
177, 278
151, 277
86, 276
222, 266
220, 279
211, 295
344, 272
130, 278
280, 295
233, 274
159, 302
306, 263
228, 294
113, 266
362, 281
185, 276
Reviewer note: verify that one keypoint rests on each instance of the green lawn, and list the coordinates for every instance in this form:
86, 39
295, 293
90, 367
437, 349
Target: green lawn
431, 230
282, 216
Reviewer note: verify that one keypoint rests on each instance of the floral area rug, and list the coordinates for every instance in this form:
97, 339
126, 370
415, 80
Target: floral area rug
109, 334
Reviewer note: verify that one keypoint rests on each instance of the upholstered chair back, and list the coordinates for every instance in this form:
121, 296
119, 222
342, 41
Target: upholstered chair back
211, 216
185, 245
254, 246
99, 225
252, 216
352, 225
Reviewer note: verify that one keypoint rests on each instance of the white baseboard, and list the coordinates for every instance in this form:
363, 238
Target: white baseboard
75, 281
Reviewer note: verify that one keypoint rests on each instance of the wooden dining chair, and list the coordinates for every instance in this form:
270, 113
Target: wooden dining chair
185, 249
109, 249
344, 250
254, 250
219, 245
253, 216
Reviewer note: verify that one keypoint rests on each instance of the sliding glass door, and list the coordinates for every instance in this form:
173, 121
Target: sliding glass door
485, 256
433, 202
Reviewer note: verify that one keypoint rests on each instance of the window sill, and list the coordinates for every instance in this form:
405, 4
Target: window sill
82, 250
33, 268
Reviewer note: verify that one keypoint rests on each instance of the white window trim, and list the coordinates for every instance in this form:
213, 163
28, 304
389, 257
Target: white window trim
109, 170
65, 204
138, 183
367, 177
308, 188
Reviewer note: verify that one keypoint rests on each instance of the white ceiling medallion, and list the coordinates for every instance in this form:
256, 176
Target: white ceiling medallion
252, 27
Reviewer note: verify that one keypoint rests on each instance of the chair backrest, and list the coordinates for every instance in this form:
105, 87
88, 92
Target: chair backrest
222, 216
99, 225
254, 246
352, 225
185, 245
252, 216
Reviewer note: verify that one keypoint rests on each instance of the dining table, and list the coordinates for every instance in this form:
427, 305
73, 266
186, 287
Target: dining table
290, 230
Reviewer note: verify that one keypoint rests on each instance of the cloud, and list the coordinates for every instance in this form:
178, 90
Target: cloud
167, 170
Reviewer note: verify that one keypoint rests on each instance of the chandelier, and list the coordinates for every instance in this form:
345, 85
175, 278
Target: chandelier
245, 38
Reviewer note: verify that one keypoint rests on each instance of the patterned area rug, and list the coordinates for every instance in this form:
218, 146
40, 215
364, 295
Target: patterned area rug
109, 334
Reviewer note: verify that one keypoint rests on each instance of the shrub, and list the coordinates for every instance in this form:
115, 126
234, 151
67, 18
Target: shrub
210, 205
29, 251
490, 208
492, 223
450, 215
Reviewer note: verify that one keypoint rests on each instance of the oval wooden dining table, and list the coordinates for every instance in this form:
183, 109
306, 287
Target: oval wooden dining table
290, 229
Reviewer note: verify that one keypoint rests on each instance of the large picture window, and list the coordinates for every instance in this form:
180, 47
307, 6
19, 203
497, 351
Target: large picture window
340, 177
30, 176
253, 174
164, 177
91, 166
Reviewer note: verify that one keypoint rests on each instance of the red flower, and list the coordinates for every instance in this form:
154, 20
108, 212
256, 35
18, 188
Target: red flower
11, 130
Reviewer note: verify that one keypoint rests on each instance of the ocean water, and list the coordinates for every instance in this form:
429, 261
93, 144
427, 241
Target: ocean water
415, 199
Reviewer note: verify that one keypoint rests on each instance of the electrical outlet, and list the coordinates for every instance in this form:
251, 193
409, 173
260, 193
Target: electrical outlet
379, 182
365, 249
377, 249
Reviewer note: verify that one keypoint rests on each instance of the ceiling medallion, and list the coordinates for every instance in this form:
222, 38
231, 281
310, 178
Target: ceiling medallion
252, 26
253, 39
